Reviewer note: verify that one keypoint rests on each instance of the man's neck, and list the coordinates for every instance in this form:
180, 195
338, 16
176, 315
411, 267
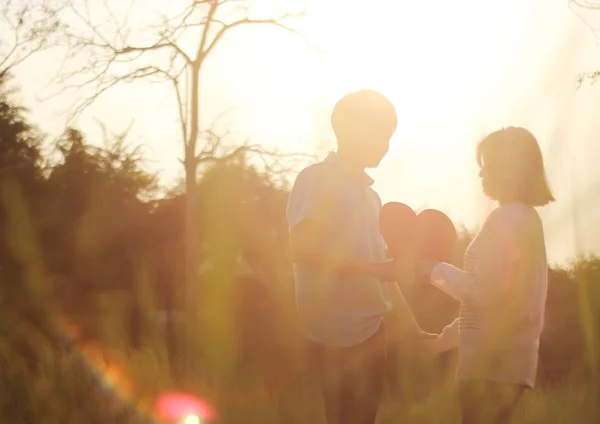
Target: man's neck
351, 161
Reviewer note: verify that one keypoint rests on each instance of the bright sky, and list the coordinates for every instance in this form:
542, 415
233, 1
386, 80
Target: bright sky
454, 69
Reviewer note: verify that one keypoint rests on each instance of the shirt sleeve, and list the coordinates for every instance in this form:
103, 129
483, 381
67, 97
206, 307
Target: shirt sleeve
378, 206
494, 269
306, 200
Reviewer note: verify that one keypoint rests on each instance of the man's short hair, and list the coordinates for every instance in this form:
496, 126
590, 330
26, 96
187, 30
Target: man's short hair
363, 107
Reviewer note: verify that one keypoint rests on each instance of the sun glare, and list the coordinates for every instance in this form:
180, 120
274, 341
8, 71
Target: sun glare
441, 67
454, 70
191, 419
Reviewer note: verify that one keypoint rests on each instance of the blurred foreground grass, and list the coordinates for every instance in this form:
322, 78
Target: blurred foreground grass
98, 384
248, 359
63, 390
248, 364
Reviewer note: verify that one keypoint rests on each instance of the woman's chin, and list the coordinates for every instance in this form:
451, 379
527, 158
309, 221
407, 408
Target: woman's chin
487, 191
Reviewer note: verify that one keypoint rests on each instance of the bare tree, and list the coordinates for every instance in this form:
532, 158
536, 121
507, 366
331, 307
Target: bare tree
576, 7
26, 27
174, 51
586, 4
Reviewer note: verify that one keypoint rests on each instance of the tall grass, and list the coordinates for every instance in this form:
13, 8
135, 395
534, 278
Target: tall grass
250, 369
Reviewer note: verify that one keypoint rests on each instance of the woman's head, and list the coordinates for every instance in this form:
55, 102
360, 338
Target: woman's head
363, 122
512, 167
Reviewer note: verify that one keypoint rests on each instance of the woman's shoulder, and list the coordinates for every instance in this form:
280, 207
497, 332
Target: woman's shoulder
514, 218
514, 212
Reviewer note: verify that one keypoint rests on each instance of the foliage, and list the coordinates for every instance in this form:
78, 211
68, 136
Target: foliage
91, 262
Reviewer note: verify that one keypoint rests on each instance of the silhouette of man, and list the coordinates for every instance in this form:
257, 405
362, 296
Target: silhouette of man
340, 267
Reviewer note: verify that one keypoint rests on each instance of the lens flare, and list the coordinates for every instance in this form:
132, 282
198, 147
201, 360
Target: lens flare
191, 419
183, 408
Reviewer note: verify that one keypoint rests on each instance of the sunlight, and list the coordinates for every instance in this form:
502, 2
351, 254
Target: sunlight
183, 408
191, 419
138, 297
454, 70
443, 70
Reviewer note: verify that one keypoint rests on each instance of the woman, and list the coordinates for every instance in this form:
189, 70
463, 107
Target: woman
502, 286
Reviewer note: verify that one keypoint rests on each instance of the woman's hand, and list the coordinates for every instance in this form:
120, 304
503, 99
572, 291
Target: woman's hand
433, 344
447, 340
424, 335
423, 270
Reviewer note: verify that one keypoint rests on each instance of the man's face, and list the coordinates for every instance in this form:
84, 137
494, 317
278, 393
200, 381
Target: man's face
372, 144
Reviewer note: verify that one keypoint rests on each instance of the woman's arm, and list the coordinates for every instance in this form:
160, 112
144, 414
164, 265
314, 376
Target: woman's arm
497, 250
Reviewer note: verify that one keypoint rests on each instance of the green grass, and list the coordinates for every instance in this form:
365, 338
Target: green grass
110, 383
63, 389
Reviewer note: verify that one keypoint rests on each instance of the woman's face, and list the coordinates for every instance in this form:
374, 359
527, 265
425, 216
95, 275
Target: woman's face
493, 179
485, 180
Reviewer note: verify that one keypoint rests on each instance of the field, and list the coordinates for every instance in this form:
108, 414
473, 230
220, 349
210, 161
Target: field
91, 255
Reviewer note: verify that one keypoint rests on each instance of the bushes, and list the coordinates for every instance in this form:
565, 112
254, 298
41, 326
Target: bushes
83, 243
60, 389
569, 345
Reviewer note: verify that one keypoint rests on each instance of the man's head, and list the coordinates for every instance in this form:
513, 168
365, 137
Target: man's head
363, 122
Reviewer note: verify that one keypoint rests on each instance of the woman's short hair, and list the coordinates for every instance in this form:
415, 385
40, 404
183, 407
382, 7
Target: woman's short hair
513, 159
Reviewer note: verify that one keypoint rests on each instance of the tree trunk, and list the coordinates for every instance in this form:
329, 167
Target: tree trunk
191, 227
190, 325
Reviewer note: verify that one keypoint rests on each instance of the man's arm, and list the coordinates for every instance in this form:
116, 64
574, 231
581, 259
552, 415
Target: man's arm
309, 248
401, 310
312, 212
449, 337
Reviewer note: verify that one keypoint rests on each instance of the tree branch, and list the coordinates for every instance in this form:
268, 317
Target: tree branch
273, 161
163, 42
586, 4
32, 26
157, 46
211, 15
278, 22
578, 4
105, 85
110, 56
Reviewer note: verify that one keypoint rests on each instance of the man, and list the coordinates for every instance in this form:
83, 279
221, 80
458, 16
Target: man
340, 267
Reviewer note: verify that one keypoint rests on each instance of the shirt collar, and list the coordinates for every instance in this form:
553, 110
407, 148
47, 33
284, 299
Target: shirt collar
360, 176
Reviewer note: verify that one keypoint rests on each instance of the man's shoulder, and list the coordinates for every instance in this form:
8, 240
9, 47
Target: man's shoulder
316, 174
375, 195
316, 169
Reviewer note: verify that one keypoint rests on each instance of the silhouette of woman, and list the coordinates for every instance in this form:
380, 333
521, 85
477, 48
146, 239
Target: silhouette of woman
502, 286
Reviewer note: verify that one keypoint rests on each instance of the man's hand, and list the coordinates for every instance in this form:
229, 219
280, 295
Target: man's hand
429, 344
306, 246
387, 270
424, 335
395, 270
447, 340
